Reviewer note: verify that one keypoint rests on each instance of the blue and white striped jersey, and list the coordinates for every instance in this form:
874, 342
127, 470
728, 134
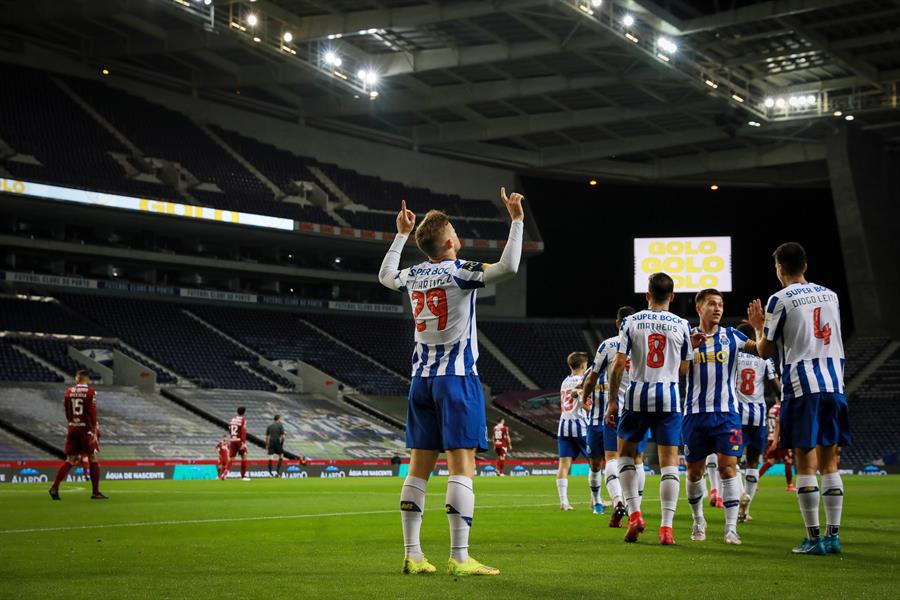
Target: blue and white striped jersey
442, 295
710, 381
657, 342
572, 418
603, 361
804, 321
753, 372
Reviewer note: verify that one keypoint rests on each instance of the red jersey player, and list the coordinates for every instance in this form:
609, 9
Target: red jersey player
237, 430
222, 450
82, 437
502, 444
774, 453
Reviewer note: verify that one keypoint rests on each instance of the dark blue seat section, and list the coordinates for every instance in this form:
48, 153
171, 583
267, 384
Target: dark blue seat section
166, 334
538, 348
284, 335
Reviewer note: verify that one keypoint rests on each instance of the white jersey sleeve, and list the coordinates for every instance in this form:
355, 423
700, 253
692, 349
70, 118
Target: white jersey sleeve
804, 322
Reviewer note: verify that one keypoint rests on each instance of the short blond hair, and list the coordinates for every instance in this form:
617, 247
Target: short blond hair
430, 231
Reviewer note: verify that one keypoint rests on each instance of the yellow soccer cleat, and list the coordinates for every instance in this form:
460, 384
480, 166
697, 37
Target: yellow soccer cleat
423, 567
469, 567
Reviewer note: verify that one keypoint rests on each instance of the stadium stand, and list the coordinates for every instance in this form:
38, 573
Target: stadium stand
31, 107
43, 315
133, 425
545, 362
859, 352
172, 338
280, 335
13, 448
15, 366
541, 411
56, 352
314, 426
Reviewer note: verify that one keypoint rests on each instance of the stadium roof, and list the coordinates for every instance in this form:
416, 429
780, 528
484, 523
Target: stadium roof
666, 90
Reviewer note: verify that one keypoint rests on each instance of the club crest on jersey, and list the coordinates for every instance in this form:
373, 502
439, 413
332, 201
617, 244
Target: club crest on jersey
472, 266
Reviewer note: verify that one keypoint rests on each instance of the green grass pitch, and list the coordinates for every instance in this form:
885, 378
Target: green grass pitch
341, 538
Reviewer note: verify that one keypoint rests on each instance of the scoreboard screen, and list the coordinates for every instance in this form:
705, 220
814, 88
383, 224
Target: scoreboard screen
694, 263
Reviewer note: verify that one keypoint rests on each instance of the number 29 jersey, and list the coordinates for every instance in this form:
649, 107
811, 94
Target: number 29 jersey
804, 321
442, 295
657, 341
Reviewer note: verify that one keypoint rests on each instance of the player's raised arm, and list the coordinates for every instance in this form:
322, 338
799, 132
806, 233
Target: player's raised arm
389, 274
508, 264
756, 317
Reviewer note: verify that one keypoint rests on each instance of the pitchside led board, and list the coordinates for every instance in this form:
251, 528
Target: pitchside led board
695, 263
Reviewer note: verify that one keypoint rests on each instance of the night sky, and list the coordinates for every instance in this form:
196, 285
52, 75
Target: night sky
588, 234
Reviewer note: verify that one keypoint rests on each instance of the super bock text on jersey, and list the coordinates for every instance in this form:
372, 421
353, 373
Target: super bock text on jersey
804, 321
657, 342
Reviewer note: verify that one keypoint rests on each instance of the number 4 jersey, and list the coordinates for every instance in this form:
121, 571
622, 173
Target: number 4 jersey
442, 295
657, 342
804, 320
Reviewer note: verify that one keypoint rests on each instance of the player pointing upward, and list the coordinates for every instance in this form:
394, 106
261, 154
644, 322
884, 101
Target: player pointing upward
446, 404
802, 326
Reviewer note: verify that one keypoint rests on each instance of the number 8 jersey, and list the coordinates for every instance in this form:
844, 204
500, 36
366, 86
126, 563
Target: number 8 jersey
442, 295
657, 342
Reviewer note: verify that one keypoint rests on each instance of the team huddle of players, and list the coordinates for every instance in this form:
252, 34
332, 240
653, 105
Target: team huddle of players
634, 383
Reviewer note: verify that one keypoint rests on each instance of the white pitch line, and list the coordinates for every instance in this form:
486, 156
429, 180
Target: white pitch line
238, 519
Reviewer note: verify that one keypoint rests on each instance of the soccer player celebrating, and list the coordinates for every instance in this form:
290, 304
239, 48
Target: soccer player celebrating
753, 372
571, 437
502, 444
660, 346
773, 452
600, 434
712, 421
275, 444
802, 324
446, 402
82, 433
237, 431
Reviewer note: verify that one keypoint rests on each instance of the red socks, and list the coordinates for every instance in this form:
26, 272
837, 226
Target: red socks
61, 474
764, 468
789, 472
243, 467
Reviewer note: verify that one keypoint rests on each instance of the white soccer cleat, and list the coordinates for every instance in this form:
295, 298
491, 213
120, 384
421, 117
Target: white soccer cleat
245, 479
731, 537
566, 507
698, 533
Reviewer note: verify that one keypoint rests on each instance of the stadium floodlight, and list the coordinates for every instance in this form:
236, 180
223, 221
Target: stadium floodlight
596, 3
371, 31
627, 20
373, 94
770, 102
712, 83
592, 182
754, 123
252, 20
838, 113
332, 58
779, 102
667, 45
207, 2
737, 98
361, 74
810, 99
288, 37
714, 187
849, 118
257, 39
371, 78
104, 71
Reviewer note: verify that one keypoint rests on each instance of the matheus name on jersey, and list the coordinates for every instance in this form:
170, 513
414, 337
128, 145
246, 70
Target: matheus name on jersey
753, 372
572, 418
657, 342
710, 386
442, 295
804, 320
603, 361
